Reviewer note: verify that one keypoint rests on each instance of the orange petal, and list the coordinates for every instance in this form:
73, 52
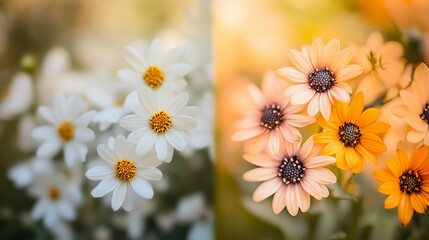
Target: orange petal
376, 128
332, 148
327, 125
343, 111
385, 175
405, 210
341, 161
325, 137
366, 153
356, 106
393, 200
351, 157
266, 189
357, 168
389, 187
418, 157
372, 142
418, 203
260, 174
368, 116
279, 200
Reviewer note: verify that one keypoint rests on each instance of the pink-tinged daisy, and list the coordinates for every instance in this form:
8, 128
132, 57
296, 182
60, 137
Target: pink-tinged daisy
273, 119
292, 175
415, 106
318, 75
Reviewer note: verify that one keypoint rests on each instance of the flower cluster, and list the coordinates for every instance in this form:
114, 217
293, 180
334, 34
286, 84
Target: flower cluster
350, 126
126, 128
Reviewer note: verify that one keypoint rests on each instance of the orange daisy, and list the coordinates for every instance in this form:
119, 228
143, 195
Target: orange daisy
352, 134
292, 175
415, 106
318, 74
406, 182
273, 119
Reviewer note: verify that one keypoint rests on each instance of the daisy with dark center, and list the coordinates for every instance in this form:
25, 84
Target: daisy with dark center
272, 120
406, 182
351, 134
292, 175
318, 75
414, 109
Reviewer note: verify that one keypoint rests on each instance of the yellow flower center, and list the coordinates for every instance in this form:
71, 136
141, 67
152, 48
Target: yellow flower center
350, 134
154, 77
409, 182
66, 131
160, 122
125, 170
54, 194
119, 102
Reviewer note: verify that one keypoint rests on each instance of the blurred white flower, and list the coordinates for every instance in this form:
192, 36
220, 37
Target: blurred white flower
201, 231
191, 208
61, 231
57, 198
68, 129
109, 97
125, 173
23, 174
134, 220
102, 233
202, 135
17, 97
157, 69
26, 124
160, 120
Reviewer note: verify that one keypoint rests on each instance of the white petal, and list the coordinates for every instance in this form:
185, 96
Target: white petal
81, 151
121, 146
70, 154
107, 154
142, 187
129, 200
137, 135
43, 132
133, 122
161, 148
155, 51
191, 111
38, 209
119, 195
153, 174
148, 99
66, 210
176, 139
104, 187
146, 143
47, 114
184, 122
49, 148
51, 217
85, 118
84, 134
177, 103
134, 59
100, 172
179, 69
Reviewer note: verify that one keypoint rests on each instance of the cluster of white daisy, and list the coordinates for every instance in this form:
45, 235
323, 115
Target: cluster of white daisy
133, 125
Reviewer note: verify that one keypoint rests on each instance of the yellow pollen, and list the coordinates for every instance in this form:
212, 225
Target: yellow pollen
120, 102
125, 170
154, 77
66, 131
160, 122
54, 193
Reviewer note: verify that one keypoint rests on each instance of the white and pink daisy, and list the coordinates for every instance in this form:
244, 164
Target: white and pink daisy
292, 175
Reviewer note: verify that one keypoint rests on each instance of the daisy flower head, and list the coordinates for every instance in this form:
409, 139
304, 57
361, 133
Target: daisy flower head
273, 119
68, 129
406, 181
415, 106
318, 76
292, 175
352, 133
125, 173
57, 198
156, 69
382, 64
160, 120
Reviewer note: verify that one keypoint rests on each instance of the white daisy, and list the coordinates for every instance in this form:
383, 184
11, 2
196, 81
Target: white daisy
23, 174
17, 97
160, 120
156, 69
67, 129
57, 198
125, 173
